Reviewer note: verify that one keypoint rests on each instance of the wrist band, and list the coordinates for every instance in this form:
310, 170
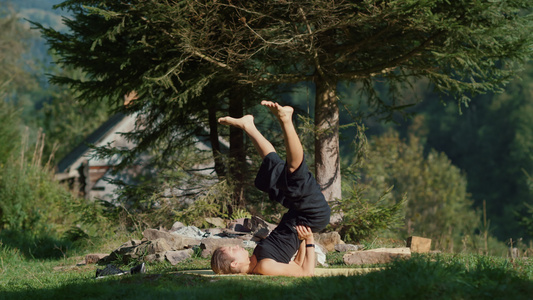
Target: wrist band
310, 245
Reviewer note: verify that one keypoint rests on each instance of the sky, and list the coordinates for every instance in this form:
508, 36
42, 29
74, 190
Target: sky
40, 11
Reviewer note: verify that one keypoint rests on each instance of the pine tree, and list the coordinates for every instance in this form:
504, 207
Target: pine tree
171, 51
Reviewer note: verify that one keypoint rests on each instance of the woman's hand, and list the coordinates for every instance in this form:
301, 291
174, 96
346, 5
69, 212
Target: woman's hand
305, 233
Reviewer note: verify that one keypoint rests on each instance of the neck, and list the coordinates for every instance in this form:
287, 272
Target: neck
253, 263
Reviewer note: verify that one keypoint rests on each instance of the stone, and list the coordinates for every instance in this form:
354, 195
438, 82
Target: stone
131, 243
255, 239
205, 253
176, 226
217, 222
189, 243
262, 233
152, 247
336, 218
347, 247
213, 231
175, 257
244, 237
249, 244
123, 253
128, 247
157, 257
233, 234
399, 250
174, 246
190, 231
154, 234
328, 239
175, 241
210, 244
247, 224
94, 258
256, 223
376, 256
419, 244
238, 225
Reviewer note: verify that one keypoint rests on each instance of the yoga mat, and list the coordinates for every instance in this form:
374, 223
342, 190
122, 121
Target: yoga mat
318, 272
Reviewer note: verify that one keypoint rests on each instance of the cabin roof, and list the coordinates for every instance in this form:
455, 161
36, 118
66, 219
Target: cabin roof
107, 128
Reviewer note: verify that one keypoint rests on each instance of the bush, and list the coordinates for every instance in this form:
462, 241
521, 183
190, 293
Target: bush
213, 203
438, 205
37, 214
32, 201
9, 131
361, 218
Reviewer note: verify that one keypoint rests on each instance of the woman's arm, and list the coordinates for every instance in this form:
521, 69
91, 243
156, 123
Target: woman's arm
300, 256
305, 233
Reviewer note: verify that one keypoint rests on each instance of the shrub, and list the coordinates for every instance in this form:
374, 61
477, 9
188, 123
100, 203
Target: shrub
361, 218
37, 214
213, 203
438, 205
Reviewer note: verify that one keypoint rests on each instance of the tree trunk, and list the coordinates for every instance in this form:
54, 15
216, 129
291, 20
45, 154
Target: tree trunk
237, 153
327, 160
215, 144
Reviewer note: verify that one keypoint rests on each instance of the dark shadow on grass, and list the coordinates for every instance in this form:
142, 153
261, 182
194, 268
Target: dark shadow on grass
35, 247
417, 278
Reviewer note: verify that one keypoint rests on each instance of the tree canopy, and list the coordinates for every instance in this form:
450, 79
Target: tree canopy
173, 52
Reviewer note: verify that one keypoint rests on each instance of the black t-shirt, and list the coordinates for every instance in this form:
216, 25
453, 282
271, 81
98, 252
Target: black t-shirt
297, 191
280, 245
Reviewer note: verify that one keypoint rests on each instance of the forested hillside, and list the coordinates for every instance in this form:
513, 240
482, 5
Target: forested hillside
491, 140
65, 120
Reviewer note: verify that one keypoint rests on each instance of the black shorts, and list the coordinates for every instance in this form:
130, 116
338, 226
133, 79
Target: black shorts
298, 191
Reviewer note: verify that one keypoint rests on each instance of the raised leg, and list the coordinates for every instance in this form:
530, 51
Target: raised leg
246, 123
293, 146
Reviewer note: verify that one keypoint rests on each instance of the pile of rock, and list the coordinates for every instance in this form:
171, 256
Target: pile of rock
181, 242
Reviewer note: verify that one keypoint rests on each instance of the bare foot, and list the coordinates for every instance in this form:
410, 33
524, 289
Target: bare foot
241, 123
283, 113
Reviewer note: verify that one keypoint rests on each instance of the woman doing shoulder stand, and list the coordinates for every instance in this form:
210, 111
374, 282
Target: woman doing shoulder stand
291, 184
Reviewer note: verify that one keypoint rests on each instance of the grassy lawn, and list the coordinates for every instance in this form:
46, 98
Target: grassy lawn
443, 276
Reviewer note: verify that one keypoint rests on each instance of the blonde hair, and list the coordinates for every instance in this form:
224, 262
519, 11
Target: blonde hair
221, 262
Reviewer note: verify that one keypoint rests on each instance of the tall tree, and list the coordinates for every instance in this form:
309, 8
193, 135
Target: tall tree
132, 46
15, 75
462, 47
142, 46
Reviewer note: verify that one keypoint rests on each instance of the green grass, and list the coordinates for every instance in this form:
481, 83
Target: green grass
443, 276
